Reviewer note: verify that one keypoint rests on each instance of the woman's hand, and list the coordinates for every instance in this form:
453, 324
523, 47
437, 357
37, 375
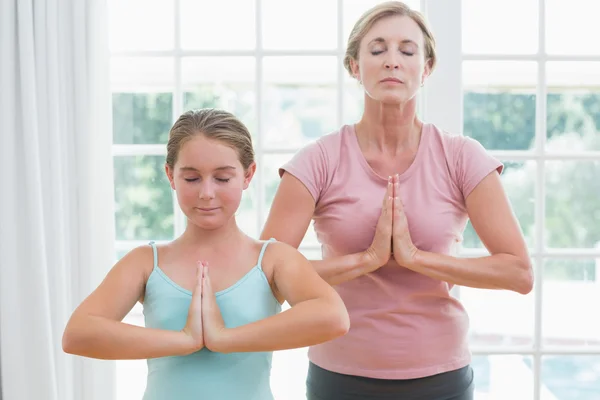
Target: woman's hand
380, 251
403, 248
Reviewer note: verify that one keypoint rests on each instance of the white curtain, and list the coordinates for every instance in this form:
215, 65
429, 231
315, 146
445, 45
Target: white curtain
56, 217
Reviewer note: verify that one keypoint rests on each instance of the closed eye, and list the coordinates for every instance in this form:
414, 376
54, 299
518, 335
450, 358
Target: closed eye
191, 179
223, 180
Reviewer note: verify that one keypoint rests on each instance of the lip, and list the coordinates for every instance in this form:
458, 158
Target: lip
207, 209
392, 80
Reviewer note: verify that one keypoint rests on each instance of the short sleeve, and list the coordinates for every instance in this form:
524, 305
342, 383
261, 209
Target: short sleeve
310, 166
473, 163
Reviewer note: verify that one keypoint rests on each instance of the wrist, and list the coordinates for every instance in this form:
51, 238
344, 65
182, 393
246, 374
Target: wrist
415, 259
187, 344
223, 342
367, 262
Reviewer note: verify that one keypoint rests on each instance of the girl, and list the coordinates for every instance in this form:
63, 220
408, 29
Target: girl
212, 297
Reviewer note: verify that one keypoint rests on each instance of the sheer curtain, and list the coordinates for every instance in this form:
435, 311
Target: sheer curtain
56, 217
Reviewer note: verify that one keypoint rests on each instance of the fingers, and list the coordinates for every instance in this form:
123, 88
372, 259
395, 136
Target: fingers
199, 272
388, 193
206, 279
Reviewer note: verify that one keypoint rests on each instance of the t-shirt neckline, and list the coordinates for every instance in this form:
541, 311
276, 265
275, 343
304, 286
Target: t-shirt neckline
409, 171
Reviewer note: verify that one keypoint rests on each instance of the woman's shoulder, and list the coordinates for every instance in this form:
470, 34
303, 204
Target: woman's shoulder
454, 141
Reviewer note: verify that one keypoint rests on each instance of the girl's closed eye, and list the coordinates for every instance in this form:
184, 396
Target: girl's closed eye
223, 180
190, 179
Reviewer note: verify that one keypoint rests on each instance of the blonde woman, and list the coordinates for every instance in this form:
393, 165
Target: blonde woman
390, 197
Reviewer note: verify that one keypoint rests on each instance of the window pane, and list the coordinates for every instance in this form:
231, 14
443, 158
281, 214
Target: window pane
140, 118
131, 379
503, 377
353, 9
142, 74
131, 374
312, 254
207, 25
294, 25
288, 375
518, 179
572, 212
571, 377
499, 318
578, 22
499, 103
221, 82
486, 27
354, 99
300, 100
573, 104
271, 165
247, 213
141, 25
571, 295
143, 200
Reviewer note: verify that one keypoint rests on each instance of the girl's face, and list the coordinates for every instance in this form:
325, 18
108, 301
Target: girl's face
209, 180
391, 61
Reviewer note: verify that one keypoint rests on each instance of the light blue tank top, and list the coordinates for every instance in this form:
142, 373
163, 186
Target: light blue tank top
205, 375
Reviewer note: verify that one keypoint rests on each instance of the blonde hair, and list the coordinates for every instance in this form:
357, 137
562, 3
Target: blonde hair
213, 124
388, 9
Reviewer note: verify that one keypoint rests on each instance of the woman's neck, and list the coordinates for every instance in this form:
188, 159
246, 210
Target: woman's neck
389, 128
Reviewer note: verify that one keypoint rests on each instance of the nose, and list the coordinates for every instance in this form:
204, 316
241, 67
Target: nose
392, 63
207, 190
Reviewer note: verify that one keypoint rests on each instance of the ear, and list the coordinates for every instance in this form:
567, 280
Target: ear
355, 69
169, 171
426, 71
249, 174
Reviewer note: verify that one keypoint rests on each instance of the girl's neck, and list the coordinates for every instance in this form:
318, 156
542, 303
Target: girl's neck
228, 234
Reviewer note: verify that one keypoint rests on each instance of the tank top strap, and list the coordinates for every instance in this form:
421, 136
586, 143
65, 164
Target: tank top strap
262, 252
155, 253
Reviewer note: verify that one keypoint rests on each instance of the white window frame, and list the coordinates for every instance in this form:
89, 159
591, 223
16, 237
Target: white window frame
445, 18
445, 83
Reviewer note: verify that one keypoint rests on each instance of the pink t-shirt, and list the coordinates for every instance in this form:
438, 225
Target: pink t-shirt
404, 324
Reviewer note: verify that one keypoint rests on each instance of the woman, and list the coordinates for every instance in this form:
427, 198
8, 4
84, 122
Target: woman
394, 264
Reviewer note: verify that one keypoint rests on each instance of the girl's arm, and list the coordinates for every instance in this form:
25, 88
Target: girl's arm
95, 329
317, 312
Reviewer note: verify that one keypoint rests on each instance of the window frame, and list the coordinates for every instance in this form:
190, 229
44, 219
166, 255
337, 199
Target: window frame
445, 18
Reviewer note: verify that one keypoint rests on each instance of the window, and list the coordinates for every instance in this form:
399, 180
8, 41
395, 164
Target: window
531, 97
530, 94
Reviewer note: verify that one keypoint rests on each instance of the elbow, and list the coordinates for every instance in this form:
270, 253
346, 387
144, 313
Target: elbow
525, 280
68, 341
72, 340
339, 323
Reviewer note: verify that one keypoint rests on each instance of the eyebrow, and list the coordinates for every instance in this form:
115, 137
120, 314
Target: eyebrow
225, 167
382, 40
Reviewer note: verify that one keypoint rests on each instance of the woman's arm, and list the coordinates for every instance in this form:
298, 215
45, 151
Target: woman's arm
290, 215
507, 267
317, 313
95, 329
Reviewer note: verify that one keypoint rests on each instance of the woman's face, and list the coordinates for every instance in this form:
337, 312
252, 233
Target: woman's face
391, 60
